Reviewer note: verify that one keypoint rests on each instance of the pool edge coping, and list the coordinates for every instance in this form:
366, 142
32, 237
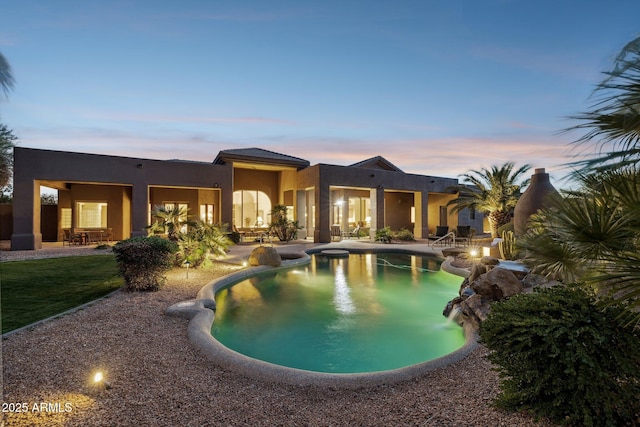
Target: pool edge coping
200, 312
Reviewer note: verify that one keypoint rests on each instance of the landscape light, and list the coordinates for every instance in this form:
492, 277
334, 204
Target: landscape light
473, 253
187, 264
98, 378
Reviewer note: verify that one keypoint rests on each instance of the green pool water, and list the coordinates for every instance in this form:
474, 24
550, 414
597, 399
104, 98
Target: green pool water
365, 313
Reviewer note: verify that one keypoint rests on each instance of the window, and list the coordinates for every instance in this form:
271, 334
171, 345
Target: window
360, 211
206, 213
65, 218
472, 214
92, 214
251, 209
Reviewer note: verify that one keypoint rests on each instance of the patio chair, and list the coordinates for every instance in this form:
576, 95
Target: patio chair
441, 231
71, 238
353, 233
336, 232
463, 234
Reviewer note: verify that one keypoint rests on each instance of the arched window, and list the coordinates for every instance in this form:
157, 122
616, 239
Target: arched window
251, 209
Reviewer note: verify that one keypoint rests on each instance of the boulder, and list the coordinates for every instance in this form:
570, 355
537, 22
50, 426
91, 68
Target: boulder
497, 284
476, 271
476, 307
489, 260
264, 255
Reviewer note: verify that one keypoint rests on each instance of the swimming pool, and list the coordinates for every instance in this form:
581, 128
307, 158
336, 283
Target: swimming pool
365, 313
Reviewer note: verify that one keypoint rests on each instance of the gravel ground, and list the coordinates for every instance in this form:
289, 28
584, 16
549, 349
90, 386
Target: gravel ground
158, 379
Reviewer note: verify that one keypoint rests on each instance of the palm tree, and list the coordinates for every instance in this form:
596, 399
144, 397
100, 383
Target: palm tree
6, 76
169, 221
493, 192
613, 122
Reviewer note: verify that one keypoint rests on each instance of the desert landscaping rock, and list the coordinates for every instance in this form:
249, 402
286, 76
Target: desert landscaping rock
264, 255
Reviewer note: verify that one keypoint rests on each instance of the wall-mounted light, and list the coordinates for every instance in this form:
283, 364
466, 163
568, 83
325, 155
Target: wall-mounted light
216, 185
139, 165
372, 175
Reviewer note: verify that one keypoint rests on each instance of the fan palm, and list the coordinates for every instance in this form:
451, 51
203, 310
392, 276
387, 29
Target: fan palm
6, 76
169, 221
614, 120
493, 192
592, 235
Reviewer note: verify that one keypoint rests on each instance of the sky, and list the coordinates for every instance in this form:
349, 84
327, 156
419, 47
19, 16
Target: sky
435, 87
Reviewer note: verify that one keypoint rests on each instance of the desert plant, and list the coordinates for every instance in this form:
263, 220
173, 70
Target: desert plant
142, 261
284, 228
169, 221
561, 355
200, 242
404, 235
507, 245
384, 235
493, 192
505, 227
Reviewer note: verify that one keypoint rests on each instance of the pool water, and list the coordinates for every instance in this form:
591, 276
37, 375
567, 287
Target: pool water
364, 313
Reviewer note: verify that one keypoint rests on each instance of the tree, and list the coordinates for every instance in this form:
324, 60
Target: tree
6, 75
169, 221
284, 228
593, 234
614, 119
7, 142
493, 192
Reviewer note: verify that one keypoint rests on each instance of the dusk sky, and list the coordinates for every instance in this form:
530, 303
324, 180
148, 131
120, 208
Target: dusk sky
435, 87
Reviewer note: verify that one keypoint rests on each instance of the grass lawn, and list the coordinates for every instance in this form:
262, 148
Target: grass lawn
36, 289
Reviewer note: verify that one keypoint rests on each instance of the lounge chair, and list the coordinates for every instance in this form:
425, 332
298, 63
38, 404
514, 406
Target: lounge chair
441, 231
463, 234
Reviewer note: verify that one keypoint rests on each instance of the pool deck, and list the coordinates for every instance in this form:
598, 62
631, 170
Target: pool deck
200, 311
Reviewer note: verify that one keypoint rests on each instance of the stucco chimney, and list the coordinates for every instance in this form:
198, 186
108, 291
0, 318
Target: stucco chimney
534, 198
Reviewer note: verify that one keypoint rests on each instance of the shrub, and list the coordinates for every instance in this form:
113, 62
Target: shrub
142, 261
284, 228
404, 235
384, 235
562, 356
201, 241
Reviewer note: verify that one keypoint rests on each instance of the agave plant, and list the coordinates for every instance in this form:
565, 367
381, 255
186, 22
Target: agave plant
493, 192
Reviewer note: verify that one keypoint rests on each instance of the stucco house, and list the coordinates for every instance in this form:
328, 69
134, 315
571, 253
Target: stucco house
238, 188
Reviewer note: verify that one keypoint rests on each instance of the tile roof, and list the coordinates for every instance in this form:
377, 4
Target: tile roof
259, 155
377, 162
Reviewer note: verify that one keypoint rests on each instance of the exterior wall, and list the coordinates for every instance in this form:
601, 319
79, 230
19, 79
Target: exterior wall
32, 165
397, 213
48, 224
6, 221
112, 195
130, 185
261, 180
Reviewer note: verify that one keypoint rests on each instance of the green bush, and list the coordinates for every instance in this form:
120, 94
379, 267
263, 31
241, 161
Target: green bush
384, 235
561, 355
142, 261
200, 241
404, 235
